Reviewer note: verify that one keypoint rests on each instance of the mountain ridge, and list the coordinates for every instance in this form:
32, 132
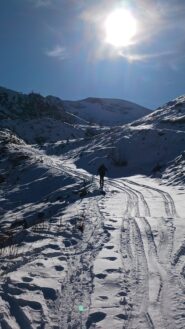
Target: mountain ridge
64, 109
148, 145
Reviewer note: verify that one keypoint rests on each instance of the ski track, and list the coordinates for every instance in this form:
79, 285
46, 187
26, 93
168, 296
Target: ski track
168, 201
120, 270
166, 299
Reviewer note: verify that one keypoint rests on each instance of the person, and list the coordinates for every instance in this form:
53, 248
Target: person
101, 171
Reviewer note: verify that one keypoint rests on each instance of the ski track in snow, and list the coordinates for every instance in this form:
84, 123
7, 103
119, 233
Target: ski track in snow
121, 269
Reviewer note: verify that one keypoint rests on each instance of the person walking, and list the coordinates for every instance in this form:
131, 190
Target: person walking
101, 171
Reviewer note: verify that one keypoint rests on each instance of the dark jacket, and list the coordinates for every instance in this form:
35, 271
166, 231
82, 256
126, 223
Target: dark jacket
102, 170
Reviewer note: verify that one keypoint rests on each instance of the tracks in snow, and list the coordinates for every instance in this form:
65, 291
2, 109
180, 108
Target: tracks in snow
146, 244
77, 287
120, 270
149, 243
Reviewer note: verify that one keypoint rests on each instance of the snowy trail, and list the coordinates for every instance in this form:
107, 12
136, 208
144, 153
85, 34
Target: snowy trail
168, 201
156, 247
154, 277
78, 285
125, 270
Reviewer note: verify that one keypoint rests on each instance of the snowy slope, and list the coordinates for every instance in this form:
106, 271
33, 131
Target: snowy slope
130, 151
147, 146
170, 116
106, 112
175, 172
66, 119
38, 119
35, 119
74, 257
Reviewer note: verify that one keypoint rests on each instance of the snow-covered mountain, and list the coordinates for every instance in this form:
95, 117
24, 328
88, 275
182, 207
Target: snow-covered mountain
35, 119
72, 256
39, 119
146, 146
106, 112
69, 129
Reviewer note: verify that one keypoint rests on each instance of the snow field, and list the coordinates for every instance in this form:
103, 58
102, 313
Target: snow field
72, 257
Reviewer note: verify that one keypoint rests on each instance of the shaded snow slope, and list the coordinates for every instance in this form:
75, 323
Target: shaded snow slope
72, 256
39, 120
106, 112
35, 119
130, 150
30, 182
147, 146
14, 105
87, 260
44, 130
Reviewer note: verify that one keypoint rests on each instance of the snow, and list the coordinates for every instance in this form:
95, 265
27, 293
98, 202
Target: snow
106, 112
72, 257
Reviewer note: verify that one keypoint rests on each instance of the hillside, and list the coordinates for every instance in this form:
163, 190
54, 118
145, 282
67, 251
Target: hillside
71, 257
147, 146
106, 112
39, 120
75, 256
66, 129
170, 116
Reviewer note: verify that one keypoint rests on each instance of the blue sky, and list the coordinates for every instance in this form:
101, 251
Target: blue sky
58, 47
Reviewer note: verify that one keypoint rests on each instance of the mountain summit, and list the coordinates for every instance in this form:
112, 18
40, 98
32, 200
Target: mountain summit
107, 112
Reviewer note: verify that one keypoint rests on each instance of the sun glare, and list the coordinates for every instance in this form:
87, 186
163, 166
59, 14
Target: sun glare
120, 27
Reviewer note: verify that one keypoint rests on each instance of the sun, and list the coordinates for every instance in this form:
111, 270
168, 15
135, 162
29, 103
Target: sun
120, 28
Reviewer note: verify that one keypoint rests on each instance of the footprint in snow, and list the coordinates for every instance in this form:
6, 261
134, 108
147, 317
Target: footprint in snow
122, 294
49, 293
94, 318
111, 228
62, 258
101, 276
122, 316
103, 297
40, 264
27, 279
109, 247
54, 246
111, 258
113, 270
59, 268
